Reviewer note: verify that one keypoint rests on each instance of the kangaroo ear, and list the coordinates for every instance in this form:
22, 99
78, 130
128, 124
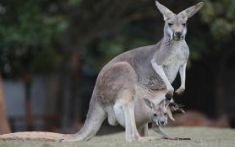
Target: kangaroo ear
189, 12
149, 103
164, 10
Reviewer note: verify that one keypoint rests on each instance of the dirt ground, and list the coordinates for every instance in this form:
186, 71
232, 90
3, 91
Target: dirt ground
200, 137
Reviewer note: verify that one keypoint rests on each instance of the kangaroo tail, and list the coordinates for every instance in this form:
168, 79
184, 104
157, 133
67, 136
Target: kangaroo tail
94, 120
49, 136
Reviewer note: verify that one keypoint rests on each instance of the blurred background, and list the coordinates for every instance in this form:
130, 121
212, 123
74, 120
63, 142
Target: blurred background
52, 50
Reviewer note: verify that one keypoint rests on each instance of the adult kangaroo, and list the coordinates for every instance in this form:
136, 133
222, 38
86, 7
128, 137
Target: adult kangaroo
142, 73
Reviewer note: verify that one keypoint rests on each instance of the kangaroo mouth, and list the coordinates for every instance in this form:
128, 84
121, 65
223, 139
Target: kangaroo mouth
177, 37
160, 123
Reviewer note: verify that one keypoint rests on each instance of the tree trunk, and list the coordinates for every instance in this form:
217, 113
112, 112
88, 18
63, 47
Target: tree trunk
221, 69
4, 124
28, 102
69, 89
220, 93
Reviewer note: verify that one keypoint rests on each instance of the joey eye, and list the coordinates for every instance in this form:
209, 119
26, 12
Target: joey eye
170, 24
184, 24
155, 115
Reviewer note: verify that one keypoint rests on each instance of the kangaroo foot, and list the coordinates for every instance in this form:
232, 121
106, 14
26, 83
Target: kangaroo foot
71, 138
149, 138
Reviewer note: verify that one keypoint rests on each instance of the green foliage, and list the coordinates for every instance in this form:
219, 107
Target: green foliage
28, 30
46, 61
34, 30
110, 47
221, 28
220, 16
74, 2
213, 32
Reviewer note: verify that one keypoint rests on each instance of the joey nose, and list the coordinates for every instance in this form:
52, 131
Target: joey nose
169, 96
162, 123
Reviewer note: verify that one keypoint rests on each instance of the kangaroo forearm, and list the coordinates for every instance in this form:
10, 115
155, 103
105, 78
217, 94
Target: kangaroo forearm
159, 70
182, 72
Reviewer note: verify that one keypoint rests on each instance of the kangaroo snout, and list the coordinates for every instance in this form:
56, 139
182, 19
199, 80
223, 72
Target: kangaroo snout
178, 35
162, 122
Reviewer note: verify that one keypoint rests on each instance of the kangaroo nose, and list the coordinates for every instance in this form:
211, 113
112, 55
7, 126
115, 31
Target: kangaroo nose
178, 34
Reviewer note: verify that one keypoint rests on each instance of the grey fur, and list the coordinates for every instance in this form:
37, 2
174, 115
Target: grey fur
145, 72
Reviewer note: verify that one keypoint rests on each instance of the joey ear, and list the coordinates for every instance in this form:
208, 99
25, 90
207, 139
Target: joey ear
189, 12
164, 10
149, 103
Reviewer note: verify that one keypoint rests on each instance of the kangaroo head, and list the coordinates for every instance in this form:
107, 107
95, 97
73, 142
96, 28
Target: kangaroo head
159, 114
175, 24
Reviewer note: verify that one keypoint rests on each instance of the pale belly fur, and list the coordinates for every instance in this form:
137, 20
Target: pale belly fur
177, 58
172, 69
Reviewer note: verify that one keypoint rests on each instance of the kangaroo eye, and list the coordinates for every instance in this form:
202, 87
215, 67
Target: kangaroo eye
184, 24
170, 24
154, 114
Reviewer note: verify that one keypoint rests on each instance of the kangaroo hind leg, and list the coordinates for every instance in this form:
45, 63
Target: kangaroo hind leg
111, 116
125, 103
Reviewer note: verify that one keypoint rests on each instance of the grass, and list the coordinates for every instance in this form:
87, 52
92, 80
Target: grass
201, 137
